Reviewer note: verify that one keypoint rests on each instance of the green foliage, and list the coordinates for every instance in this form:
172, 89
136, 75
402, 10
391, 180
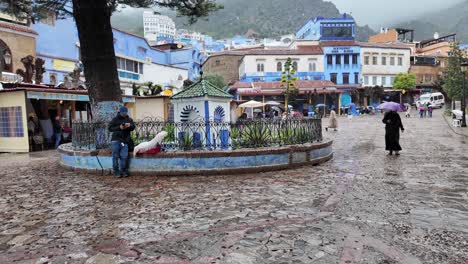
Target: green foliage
186, 143
146, 89
288, 79
453, 76
404, 81
255, 134
170, 129
215, 79
448, 112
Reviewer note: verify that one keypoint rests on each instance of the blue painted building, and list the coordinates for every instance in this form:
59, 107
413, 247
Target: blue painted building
342, 63
59, 46
342, 60
324, 29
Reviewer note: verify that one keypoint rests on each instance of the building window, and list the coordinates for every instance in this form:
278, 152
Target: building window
374, 80
11, 122
356, 78
374, 60
329, 59
279, 66
129, 65
218, 62
392, 61
294, 65
140, 66
384, 80
345, 78
346, 59
384, 60
333, 77
338, 59
366, 60
392, 80
312, 67
366, 80
260, 67
355, 59
400, 61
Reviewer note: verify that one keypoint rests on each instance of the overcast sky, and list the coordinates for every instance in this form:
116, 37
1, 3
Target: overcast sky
382, 13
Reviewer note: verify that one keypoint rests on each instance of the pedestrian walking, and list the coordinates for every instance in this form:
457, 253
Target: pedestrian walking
429, 110
425, 110
121, 127
408, 111
332, 121
393, 125
57, 131
421, 111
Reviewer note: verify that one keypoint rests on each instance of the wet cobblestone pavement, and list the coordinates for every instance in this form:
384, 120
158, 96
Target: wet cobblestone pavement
361, 207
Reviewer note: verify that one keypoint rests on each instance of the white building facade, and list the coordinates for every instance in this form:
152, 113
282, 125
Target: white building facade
382, 62
186, 34
158, 27
268, 65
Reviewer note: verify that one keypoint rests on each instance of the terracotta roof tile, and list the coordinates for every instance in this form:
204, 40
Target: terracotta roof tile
16, 27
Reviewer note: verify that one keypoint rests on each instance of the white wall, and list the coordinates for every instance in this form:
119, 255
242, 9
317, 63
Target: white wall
379, 70
163, 75
180, 104
249, 64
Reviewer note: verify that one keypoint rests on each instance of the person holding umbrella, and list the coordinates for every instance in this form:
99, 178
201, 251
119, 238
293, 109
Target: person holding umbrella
393, 125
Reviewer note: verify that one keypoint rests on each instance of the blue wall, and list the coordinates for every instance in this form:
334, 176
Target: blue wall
314, 28
339, 69
60, 41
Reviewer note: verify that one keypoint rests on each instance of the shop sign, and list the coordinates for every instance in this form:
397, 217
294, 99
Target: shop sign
57, 96
342, 50
63, 65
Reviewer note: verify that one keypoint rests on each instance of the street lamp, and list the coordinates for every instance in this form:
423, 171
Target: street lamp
464, 69
7, 58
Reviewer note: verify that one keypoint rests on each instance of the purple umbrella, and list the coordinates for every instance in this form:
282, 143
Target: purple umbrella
391, 106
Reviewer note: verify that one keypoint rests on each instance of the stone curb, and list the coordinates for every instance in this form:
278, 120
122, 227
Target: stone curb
452, 128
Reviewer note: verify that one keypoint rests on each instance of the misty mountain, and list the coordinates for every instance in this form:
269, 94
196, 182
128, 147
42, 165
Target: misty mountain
445, 21
268, 18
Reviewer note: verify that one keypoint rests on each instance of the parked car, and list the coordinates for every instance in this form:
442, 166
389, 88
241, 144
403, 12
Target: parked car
436, 100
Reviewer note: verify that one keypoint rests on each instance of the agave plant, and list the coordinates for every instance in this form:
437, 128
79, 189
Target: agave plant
255, 134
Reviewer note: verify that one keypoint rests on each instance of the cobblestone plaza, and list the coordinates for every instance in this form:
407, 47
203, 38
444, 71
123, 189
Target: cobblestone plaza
361, 207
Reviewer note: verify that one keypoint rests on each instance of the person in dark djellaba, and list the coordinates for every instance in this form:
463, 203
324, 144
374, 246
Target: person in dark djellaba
393, 125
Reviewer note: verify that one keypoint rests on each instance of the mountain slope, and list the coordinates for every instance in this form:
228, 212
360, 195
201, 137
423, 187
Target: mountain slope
269, 18
447, 21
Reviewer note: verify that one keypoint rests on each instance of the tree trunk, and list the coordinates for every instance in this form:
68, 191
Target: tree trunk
98, 57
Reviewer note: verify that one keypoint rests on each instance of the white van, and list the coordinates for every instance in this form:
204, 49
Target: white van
434, 99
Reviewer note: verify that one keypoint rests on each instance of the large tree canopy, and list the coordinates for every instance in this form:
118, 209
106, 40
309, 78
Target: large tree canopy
453, 76
404, 81
34, 10
92, 19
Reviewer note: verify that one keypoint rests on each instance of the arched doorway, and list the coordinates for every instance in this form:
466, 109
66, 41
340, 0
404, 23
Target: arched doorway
7, 65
